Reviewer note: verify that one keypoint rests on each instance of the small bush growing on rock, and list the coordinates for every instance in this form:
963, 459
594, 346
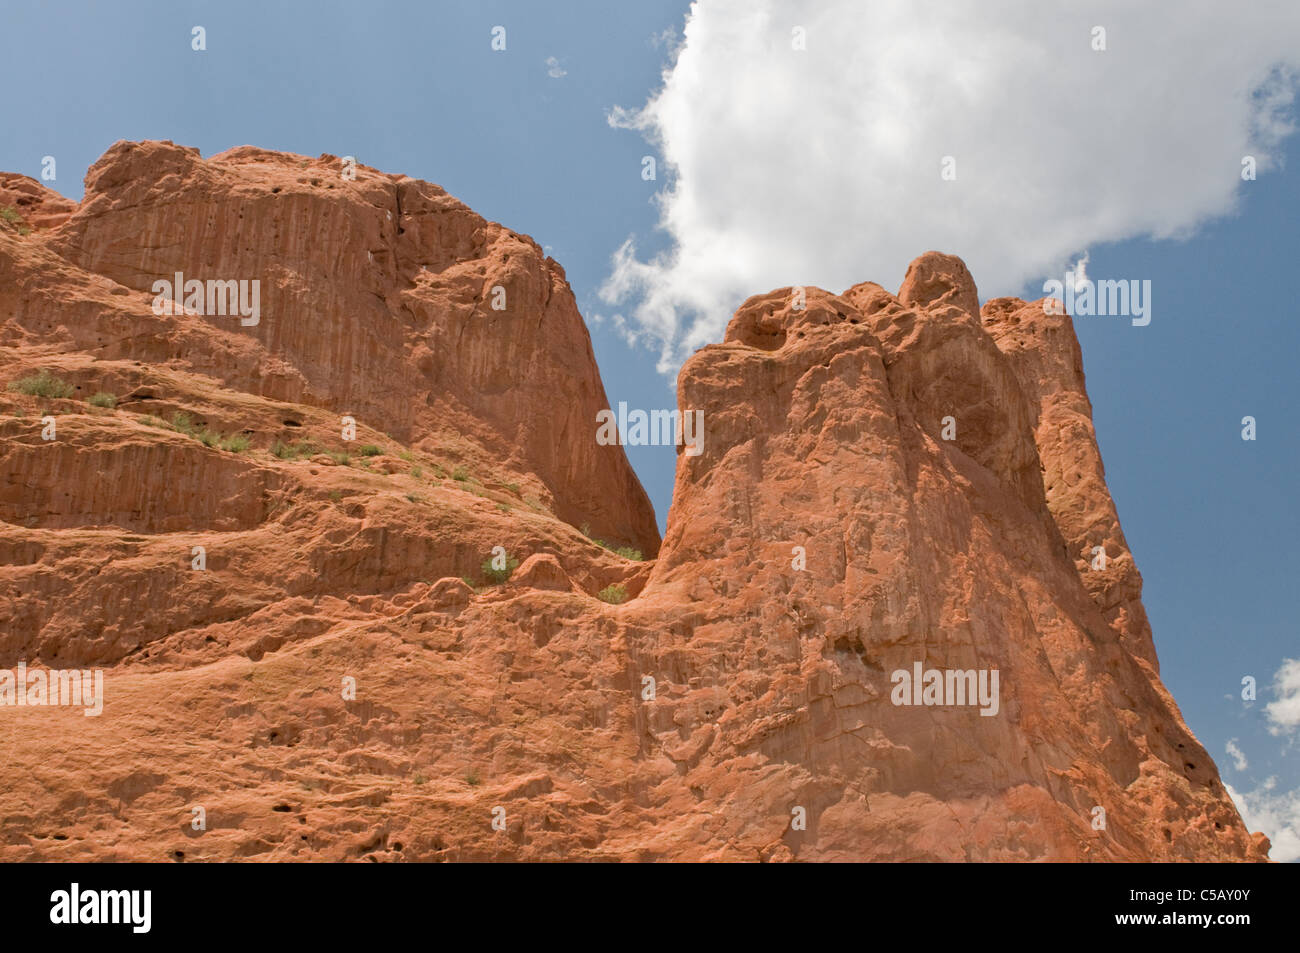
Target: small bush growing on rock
103, 399
235, 443
370, 450
182, 423
417, 472
43, 384
460, 475
208, 437
613, 594
295, 450
499, 576
340, 457
10, 216
627, 552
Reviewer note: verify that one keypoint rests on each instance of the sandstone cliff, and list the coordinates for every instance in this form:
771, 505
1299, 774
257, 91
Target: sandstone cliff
886, 481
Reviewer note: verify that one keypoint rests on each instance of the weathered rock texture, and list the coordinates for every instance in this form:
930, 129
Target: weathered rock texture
829, 535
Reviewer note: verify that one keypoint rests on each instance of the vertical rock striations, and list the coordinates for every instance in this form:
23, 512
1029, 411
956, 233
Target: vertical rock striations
346, 649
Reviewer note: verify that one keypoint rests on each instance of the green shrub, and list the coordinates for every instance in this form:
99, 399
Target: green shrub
406, 455
11, 216
235, 443
336, 495
417, 472
460, 475
613, 594
627, 552
513, 488
208, 437
295, 450
103, 399
150, 421
469, 582
43, 384
414, 497
499, 575
340, 457
370, 450
473, 780
182, 423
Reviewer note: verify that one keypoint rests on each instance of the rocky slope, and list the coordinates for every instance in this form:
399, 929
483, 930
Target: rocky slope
886, 481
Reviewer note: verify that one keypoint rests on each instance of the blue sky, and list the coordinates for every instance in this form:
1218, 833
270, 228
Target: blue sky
415, 88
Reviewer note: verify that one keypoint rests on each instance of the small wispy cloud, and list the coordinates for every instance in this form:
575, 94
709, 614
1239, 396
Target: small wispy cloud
1238, 756
554, 69
1283, 712
1079, 272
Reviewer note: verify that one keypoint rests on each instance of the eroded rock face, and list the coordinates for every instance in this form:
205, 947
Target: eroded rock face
381, 297
826, 445
1049, 365
307, 642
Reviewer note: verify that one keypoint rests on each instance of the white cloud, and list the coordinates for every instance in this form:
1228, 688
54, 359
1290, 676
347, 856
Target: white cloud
1277, 815
554, 69
1284, 711
1238, 756
821, 166
1078, 273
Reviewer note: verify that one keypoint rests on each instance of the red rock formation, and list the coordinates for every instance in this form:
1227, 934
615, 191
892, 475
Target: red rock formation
327, 686
36, 205
376, 301
1049, 365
